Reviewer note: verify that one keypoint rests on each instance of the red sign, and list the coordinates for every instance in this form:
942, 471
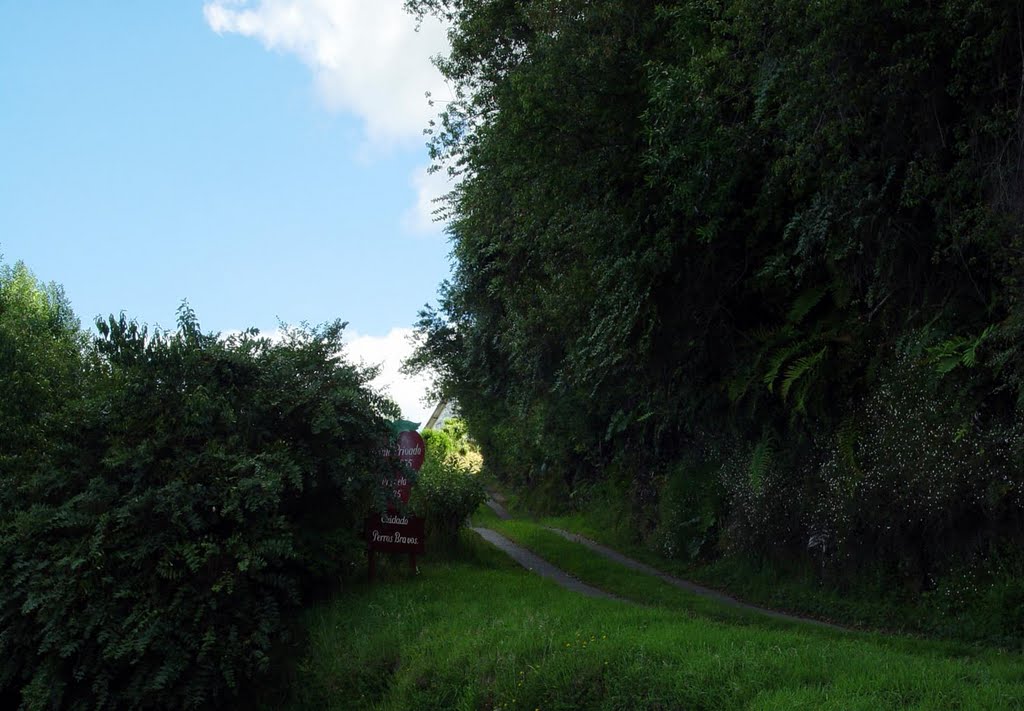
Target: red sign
395, 533
411, 450
400, 487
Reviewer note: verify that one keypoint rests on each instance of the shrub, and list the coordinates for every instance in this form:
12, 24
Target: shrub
689, 507
439, 443
445, 495
920, 480
193, 494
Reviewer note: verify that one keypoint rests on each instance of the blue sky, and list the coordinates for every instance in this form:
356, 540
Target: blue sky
263, 159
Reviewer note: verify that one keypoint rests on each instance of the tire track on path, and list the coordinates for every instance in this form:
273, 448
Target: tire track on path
710, 593
499, 510
533, 562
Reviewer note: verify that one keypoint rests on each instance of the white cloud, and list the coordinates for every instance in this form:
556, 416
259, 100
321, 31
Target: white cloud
366, 55
428, 186
388, 352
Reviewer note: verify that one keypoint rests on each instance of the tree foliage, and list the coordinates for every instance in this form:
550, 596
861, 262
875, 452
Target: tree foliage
684, 229
448, 489
168, 512
40, 364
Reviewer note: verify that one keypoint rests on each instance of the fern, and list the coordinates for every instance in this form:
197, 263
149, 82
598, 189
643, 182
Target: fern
846, 438
799, 368
970, 355
958, 350
736, 388
764, 334
778, 359
804, 303
760, 462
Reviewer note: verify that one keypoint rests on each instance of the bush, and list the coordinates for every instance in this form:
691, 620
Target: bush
689, 507
439, 443
445, 495
920, 481
192, 495
448, 489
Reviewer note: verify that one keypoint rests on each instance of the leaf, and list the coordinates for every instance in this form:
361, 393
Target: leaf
947, 364
760, 461
804, 303
777, 360
800, 368
737, 388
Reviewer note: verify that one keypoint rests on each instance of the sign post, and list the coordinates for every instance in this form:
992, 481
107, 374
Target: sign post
391, 531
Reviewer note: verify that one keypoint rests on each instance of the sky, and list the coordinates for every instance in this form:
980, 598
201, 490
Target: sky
263, 159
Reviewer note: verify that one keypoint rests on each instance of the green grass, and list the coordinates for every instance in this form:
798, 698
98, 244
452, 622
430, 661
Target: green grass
480, 632
968, 606
765, 586
868, 603
611, 577
645, 589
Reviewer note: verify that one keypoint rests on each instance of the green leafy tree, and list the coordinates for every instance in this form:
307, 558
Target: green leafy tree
687, 228
40, 362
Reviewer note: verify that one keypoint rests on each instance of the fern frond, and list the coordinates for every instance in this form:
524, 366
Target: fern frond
737, 388
767, 333
799, 368
760, 461
804, 303
958, 350
778, 359
970, 356
846, 439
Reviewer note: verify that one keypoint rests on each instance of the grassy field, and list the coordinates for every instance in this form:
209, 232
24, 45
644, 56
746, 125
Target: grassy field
479, 632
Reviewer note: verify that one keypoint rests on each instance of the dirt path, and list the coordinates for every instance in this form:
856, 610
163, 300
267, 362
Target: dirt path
541, 567
498, 509
709, 593
531, 561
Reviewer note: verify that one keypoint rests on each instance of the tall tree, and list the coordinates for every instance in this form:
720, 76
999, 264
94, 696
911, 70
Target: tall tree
719, 229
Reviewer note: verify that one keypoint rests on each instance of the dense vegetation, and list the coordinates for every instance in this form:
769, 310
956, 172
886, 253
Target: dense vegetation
519, 642
168, 500
449, 487
750, 270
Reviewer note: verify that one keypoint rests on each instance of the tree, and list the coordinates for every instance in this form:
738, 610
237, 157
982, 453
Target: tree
40, 358
686, 230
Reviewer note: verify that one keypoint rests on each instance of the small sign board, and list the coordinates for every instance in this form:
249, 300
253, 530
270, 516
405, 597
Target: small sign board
395, 533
